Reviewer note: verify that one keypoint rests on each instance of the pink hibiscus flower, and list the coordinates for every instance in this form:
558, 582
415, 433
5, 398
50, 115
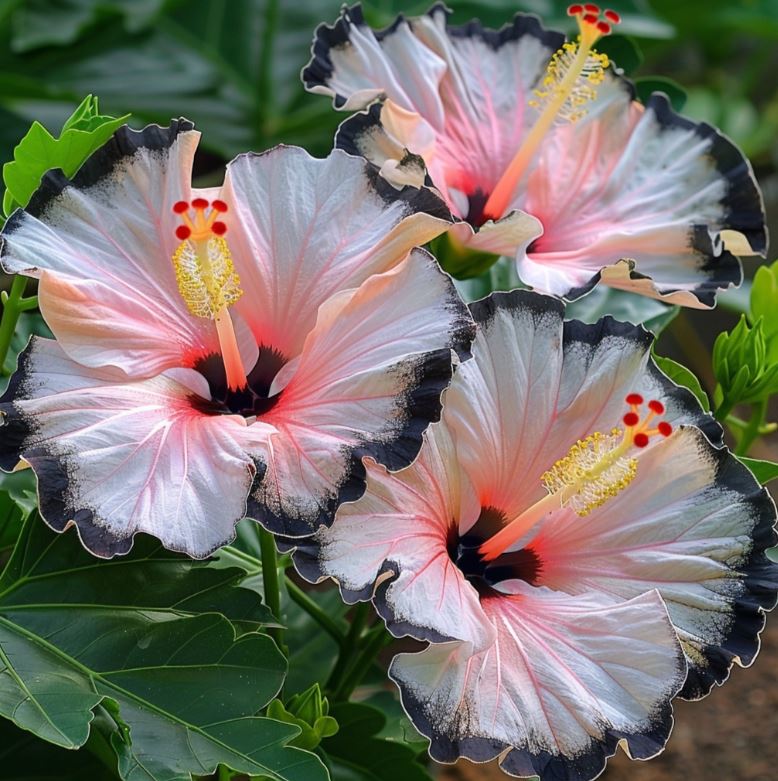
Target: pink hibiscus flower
541, 151
223, 352
570, 541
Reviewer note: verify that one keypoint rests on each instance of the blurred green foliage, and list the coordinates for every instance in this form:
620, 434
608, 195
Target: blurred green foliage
233, 66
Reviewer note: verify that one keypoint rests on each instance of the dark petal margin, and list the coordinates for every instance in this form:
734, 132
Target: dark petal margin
55, 476
743, 205
326, 37
122, 145
587, 765
52, 471
426, 377
743, 201
319, 69
759, 576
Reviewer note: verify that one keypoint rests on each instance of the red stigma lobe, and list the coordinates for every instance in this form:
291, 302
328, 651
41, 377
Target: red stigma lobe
219, 206
634, 398
656, 406
640, 440
591, 8
604, 27
199, 203
631, 419
612, 16
179, 207
665, 429
183, 233
590, 18
574, 10
219, 228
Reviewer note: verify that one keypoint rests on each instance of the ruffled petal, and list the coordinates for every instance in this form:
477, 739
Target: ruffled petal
397, 535
470, 132
355, 65
303, 229
536, 384
115, 458
643, 184
367, 383
566, 680
674, 199
694, 524
102, 245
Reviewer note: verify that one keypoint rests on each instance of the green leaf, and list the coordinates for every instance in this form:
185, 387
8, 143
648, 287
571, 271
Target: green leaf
764, 471
651, 314
312, 652
60, 22
623, 50
154, 638
84, 132
684, 377
362, 755
647, 85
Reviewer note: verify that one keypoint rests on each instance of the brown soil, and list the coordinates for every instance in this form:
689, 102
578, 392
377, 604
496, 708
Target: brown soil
732, 734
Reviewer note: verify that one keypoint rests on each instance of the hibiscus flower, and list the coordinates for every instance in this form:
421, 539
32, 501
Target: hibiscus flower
573, 540
542, 152
227, 351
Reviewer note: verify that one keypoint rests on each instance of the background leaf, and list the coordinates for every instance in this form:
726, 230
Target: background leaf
140, 635
764, 471
357, 754
682, 376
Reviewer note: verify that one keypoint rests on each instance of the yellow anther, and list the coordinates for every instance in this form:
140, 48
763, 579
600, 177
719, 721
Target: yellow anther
594, 470
206, 276
570, 83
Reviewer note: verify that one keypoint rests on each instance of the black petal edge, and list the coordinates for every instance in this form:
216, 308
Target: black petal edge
744, 212
306, 553
123, 144
54, 476
759, 576
397, 448
417, 200
744, 205
643, 744
326, 37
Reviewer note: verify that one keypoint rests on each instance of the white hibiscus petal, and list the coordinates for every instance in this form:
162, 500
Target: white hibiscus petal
398, 535
566, 680
102, 243
303, 229
694, 524
115, 458
368, 381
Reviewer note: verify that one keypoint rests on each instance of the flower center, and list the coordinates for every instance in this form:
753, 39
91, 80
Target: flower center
594, 470
206, 277
572, 76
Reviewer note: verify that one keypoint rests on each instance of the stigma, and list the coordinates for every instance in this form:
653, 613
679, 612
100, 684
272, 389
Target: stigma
570, 83
206, 276
594, 470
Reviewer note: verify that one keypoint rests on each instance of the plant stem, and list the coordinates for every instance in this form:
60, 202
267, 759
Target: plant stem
350, 646
298, 596
267, 546
376, 640
751, 432
14, 304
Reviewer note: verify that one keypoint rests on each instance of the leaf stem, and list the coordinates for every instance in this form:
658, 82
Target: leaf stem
350, 645
14, 303
377, 638
751, 432
272, 588
302, 599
